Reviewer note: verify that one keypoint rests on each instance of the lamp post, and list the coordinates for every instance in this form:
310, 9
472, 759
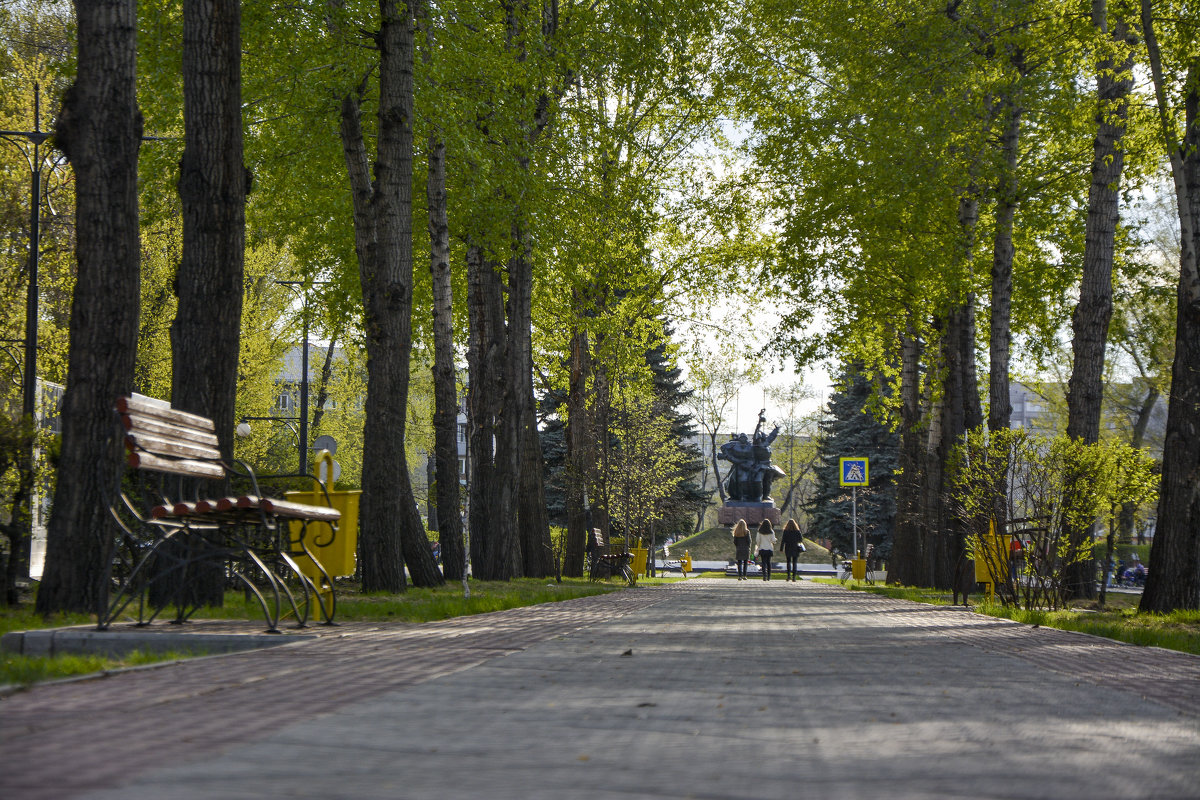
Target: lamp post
300, 287
36, 138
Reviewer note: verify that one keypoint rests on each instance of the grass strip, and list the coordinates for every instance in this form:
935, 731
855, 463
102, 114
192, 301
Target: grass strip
1178, 630
20, 670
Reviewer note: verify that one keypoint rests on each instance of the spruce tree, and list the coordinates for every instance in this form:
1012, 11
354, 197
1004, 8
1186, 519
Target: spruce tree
851, 430
681, 507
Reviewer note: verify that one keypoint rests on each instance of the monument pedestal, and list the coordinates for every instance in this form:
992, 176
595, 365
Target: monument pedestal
752, 512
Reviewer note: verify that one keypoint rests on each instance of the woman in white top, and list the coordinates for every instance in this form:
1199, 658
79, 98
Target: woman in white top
766, 547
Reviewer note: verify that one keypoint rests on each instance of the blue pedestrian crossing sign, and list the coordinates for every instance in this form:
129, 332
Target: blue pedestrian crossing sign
853, 471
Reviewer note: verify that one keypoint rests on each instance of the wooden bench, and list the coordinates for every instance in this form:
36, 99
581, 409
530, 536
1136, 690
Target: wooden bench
183, 511
604, 562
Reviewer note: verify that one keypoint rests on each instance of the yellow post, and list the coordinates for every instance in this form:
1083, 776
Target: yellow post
685, 566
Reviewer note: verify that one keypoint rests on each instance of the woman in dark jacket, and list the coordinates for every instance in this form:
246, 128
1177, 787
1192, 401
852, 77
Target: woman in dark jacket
793, 545
741, 547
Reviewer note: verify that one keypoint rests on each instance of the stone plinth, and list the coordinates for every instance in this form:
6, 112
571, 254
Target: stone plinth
753, 513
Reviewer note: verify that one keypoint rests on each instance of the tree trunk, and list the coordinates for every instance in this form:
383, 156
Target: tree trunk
580, 454
1136, 439
533, 520
390, 530
206, 333
326, 375
904, 566
1090, 321
1000, 327
495, 548
99, 130
1174, 580
445, 387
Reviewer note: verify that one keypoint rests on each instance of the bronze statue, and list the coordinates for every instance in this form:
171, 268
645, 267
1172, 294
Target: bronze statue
752, 472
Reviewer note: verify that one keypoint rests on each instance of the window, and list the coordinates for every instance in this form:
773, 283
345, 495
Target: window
285, 402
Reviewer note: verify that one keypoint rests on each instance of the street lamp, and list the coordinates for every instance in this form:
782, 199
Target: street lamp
300, 288
35, 138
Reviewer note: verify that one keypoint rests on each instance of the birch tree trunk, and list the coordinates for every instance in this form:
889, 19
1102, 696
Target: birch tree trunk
99, 129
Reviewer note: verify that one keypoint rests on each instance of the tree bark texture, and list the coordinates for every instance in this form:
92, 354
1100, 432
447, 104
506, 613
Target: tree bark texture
391, 533
580, 454
1000, 324
533, 519
495, 546
445, 387
100, 131
206, 333
907, 543
1174, 580
1091, 318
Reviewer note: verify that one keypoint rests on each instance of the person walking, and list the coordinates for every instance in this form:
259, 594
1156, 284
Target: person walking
741, 547
766, 547
793, 545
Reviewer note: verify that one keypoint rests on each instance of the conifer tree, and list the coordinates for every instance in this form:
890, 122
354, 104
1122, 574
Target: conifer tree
852, 430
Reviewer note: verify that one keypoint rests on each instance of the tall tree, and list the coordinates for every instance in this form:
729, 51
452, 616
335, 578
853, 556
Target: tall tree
1090, 321
445, 383
1174, 580
212, 189
99, 129
391, 532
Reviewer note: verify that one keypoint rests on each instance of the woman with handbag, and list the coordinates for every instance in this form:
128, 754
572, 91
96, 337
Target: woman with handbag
766, 547
793, 545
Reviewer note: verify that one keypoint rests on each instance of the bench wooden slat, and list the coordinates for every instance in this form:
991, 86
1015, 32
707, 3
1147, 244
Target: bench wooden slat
132, 405
174, 448
288, 509
176, 466
139, 424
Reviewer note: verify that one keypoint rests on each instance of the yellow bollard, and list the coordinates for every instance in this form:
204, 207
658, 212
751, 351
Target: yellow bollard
685, 565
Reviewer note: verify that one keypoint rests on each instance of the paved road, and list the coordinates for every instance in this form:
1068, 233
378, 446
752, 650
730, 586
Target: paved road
710, 689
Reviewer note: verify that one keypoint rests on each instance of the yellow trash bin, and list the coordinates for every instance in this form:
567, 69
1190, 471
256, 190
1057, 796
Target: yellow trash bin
992, 557
858, 569
336, 553
641, 556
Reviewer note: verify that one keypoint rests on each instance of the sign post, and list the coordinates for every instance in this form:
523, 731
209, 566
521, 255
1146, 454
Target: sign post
854, 472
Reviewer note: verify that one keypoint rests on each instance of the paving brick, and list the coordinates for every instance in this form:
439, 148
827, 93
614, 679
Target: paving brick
729, 689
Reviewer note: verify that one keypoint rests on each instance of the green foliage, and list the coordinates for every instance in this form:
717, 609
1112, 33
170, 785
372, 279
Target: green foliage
1051, 485
851, 430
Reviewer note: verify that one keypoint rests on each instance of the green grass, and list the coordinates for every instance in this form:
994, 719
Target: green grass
24, 618
21, 670
1179, 630
429, 605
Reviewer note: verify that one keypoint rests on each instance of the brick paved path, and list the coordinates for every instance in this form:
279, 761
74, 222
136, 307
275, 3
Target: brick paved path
731, 689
